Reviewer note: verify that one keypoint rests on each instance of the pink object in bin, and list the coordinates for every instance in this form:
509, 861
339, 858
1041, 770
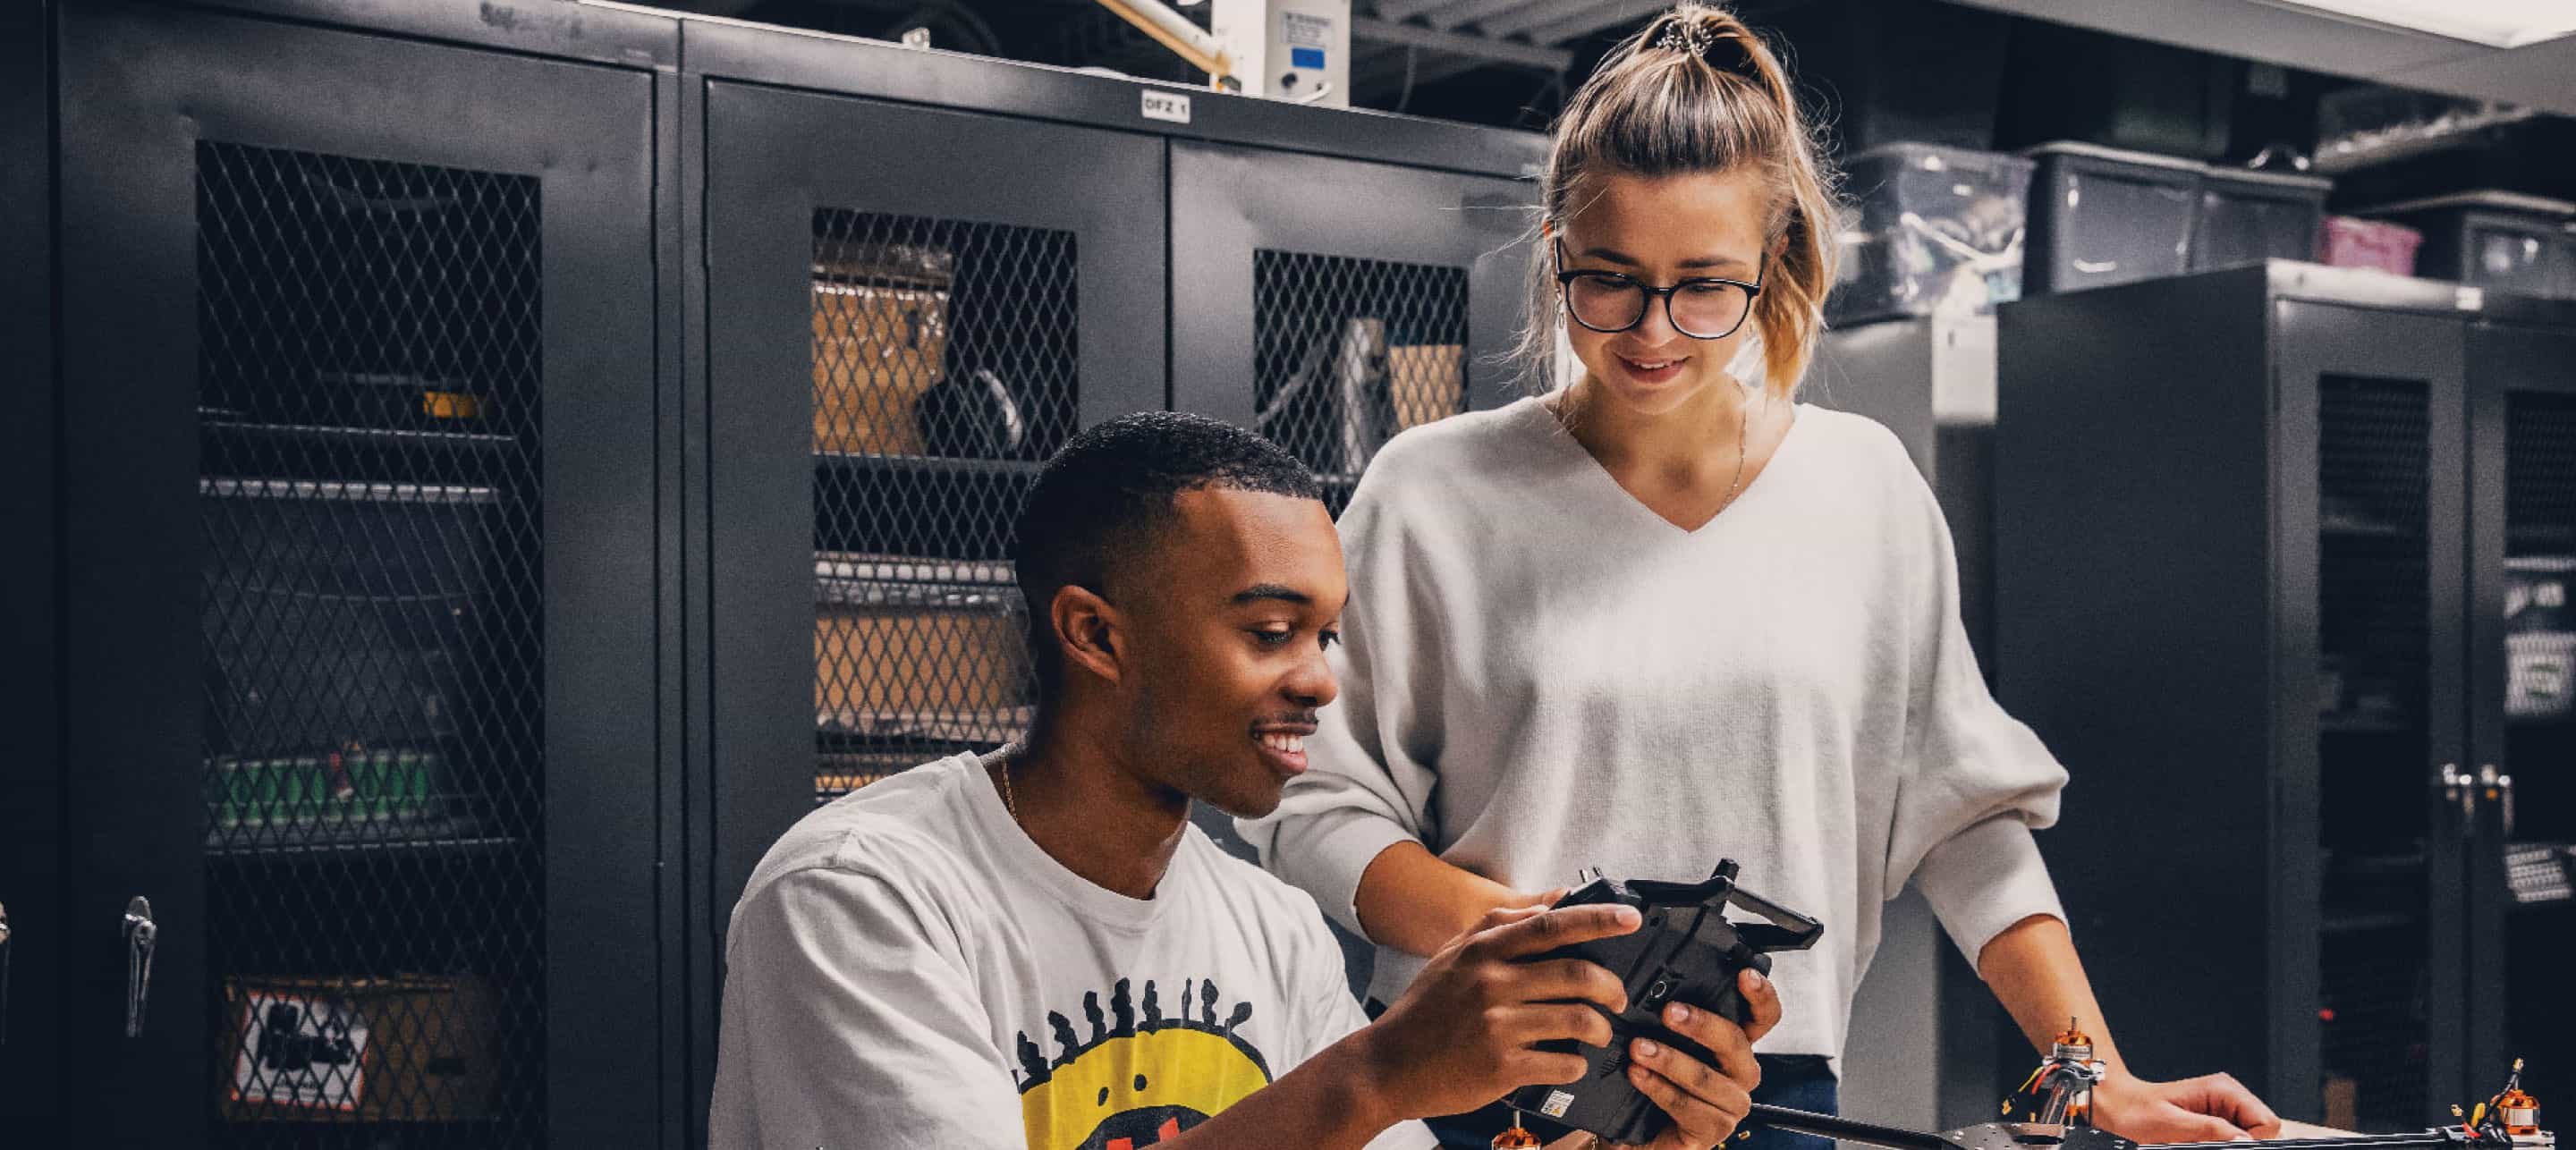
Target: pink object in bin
2352, 242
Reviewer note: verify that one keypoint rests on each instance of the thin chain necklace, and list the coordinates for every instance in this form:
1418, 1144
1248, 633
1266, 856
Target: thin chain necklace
1010, 802
1743, 422
1565, 417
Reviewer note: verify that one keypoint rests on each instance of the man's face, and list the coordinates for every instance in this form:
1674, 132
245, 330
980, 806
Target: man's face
1236, 601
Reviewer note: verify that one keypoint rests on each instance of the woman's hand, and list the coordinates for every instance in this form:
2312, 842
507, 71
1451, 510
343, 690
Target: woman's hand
1705, 1102
1416, 902
2210, 1108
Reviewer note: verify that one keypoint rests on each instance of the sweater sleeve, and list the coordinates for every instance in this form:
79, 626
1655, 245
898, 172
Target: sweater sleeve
1372, 762
1977, 781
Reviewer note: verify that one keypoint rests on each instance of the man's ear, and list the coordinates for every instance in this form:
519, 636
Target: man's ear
1089, 631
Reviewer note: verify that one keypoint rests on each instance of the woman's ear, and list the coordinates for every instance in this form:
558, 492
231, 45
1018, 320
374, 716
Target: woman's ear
1088, 631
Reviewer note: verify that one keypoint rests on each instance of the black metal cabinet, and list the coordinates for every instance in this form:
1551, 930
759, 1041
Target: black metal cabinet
1349, 325
2241, 590
359, 409
2522, 808
921, 273
907, 309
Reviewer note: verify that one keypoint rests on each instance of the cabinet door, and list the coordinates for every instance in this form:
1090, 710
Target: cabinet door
907, 310
31, 765
357, 452
2371, 535
1331, 303
2522, 706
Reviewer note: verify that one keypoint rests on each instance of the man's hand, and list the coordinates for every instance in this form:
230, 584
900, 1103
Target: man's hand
2210, 1108
1706, 1102
1467, 1031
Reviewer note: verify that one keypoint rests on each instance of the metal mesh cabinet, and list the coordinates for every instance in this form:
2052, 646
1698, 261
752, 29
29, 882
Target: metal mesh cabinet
1331, 303
907, 309
2234, 592
2522, 515
358, 432
921, 273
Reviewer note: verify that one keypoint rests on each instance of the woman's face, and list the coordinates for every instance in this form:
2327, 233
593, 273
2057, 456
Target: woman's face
1661, 231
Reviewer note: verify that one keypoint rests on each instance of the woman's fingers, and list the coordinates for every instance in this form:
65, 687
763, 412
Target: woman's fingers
1700, 1121
1764, 998
1724, 1039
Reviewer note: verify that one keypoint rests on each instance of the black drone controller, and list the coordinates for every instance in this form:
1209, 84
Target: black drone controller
1685, 951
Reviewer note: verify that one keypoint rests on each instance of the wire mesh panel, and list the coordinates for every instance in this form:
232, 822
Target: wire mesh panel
2374, 630
373, 650
1347, 352
2376, 995
2374, 503
2540, 732
945, 357
2540, 622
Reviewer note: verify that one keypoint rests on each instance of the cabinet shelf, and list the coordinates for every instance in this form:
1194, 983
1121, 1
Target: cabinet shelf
909, 505
229, 445
445, 834
2363, 722
2364, 922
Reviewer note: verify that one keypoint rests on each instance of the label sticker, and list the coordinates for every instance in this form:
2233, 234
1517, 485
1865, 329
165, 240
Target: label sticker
1171, 107
1305, 57
298, 1050
1306, 29
1557, 1103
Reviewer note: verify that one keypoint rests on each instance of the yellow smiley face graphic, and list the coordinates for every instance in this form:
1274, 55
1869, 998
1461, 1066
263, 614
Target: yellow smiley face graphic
1140, 1081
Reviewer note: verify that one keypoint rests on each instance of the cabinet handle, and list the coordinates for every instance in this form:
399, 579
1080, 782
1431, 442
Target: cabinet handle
2500, 789
141, 935
4, 974
2460, 788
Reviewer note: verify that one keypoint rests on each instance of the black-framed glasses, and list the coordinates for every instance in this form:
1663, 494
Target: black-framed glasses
1702, 308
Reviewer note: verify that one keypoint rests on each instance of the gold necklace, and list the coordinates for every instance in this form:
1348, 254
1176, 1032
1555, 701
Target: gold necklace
1743, 422
1010, 802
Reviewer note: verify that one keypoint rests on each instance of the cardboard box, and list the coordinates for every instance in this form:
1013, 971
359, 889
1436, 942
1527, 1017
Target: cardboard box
897, 638
876, 350
1429, 381
412, 1048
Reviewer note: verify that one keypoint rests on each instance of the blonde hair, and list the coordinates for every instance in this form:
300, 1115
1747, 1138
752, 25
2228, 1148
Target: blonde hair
1698, 91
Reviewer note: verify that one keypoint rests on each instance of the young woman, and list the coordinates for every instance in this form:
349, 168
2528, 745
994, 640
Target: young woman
1664, 615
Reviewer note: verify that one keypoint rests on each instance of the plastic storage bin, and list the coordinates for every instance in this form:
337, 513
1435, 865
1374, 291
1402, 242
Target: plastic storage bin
1901, 73
1940, 230
2100, 216
2248, 217
2500, 240
2353, 242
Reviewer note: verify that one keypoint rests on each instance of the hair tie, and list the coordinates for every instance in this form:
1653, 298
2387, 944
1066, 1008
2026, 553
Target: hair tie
1685, 36
1693, 38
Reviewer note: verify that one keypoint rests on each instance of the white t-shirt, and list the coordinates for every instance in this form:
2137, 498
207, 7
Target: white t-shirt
906, 969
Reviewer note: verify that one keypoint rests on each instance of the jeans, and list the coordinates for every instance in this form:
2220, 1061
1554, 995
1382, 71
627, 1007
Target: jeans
1795, 1081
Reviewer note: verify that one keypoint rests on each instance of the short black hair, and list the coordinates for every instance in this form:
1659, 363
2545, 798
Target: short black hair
1109, 492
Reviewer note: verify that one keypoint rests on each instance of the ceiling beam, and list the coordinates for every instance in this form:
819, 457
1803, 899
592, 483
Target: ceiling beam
1482, 48
1586, 21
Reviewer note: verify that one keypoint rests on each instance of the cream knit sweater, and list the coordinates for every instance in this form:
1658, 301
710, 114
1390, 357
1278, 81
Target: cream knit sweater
1540, 675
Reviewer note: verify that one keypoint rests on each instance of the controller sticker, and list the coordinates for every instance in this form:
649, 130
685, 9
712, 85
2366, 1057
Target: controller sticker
1557, 1102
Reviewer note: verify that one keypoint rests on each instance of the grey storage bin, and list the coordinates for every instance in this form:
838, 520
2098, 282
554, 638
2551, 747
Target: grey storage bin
2505, 241
1938, 230
2101, 216
2247, 217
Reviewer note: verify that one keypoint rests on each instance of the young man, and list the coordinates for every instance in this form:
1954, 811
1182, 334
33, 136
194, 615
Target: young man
1035, 948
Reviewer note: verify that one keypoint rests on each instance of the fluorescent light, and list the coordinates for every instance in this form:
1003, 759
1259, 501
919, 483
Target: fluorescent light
2495, 23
